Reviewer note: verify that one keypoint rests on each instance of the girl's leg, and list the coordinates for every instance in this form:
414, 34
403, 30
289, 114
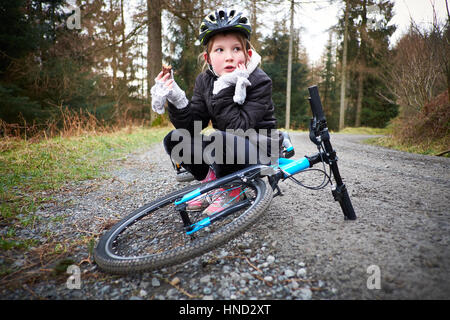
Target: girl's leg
183, 152
239, 152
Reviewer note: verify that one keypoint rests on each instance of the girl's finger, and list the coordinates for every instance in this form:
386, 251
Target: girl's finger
166, 77
169, 83
159, 76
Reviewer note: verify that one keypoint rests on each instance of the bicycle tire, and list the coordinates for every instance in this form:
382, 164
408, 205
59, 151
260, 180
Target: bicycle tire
106, 253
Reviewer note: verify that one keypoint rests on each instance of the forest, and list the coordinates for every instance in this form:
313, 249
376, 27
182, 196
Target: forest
91, 63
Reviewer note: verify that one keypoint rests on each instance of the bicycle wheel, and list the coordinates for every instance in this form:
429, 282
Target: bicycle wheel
154, 236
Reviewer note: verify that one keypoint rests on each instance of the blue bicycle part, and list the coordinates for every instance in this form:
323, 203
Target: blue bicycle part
163, 233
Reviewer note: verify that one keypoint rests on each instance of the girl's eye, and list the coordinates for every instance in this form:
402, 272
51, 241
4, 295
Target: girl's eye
219, 50
237, 49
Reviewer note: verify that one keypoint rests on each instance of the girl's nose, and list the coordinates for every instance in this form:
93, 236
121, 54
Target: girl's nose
229, 56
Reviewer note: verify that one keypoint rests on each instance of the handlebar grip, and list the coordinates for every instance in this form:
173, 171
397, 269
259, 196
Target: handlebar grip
316, 105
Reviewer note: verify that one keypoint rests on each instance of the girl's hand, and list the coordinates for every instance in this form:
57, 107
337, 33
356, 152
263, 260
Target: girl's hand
169, 89
160, 91
242, 67
238, 77
242, 83
165, 80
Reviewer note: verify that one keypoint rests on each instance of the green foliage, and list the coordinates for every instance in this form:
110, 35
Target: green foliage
17, 35
47, 165
45, 66
365, 130
376, 111
62, 265
13, 102
275, 49
328, 88
183, 53
368, 47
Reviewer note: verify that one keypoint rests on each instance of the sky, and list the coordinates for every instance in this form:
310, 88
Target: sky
315, 19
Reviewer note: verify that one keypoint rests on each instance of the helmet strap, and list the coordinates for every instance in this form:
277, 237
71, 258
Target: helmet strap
210, 68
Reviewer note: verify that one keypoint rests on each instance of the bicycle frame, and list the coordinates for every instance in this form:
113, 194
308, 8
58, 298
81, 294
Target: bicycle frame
319, 135
122, 249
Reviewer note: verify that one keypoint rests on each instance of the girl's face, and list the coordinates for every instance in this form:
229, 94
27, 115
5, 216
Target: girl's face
226, 54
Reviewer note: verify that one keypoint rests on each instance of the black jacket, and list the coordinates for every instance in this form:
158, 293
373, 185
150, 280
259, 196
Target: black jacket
257, 112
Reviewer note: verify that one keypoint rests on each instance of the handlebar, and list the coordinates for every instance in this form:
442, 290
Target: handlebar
316, 104
320, 136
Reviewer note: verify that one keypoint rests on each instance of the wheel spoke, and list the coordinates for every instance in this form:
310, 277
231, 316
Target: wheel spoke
155, 236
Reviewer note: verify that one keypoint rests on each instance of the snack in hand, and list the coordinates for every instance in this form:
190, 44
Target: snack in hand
166, 69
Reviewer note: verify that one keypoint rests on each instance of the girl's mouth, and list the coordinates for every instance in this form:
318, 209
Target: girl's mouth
229, 68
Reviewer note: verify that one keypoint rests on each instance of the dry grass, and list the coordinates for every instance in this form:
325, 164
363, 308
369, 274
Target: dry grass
37, 160
425, 132
66, 123
428, 130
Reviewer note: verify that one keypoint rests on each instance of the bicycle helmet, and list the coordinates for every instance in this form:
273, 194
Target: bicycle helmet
220, 21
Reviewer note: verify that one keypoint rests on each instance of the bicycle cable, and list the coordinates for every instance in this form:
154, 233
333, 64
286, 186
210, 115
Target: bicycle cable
325, 181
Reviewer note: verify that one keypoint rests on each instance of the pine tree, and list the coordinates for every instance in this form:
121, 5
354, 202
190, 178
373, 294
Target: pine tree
275, 49
328, 86
367, 46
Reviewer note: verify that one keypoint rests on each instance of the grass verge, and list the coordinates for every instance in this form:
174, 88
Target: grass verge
364, 130
432, 147
29, 170
424, 146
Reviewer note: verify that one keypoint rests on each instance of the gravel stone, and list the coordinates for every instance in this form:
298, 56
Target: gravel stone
205, 279
289, 273
155, 282
403, 228
303, 294
301, 273
270, 259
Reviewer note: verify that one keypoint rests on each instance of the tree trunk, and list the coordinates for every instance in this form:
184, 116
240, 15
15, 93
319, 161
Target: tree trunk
327, 87
362, 65
344, 70
124, 48
447, 39
289, 72
254, 24
114, 60
154, 47
359, 100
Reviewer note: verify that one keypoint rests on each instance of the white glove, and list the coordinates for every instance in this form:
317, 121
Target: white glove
159, 96
241, 90
176, 96
160, 93
238, 77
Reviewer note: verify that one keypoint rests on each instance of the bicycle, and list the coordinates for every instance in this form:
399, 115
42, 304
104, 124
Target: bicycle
163, 233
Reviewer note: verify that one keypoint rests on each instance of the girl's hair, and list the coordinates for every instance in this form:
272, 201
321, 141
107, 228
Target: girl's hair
245, 43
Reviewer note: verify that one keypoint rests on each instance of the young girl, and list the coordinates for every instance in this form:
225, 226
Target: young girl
234, 94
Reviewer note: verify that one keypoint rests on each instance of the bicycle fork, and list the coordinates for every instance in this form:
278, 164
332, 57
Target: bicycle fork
339, 192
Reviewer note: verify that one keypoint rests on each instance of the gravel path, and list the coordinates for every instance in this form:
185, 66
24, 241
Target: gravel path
301, 249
